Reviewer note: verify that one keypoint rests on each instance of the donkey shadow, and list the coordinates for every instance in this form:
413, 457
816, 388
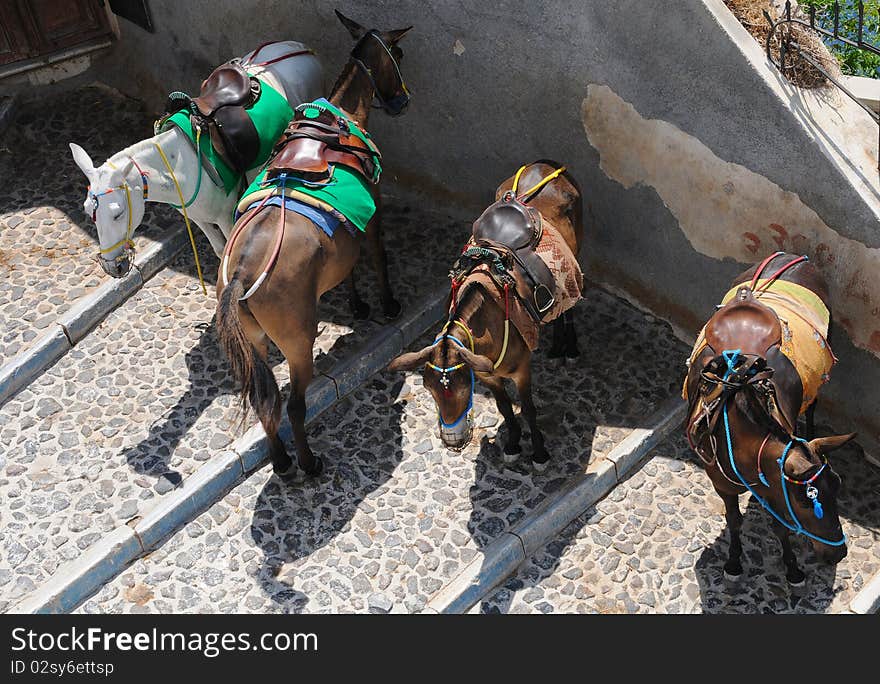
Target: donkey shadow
294, 521
209, 377
763, 588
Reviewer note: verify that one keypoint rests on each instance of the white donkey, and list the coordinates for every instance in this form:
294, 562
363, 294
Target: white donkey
117, 191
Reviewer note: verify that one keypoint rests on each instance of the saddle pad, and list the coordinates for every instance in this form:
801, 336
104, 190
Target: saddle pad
555, 252
322, 218
347, 193
805, 319
270, 114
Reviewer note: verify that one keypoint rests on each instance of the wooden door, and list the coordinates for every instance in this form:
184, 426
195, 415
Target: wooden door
32, 28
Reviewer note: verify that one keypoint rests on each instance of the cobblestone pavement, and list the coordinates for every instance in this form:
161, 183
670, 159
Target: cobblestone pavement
658, 543
395, 515
146, 398
47, 243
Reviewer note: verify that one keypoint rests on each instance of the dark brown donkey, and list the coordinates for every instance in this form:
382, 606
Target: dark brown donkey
309, 263
756, 367
478, 339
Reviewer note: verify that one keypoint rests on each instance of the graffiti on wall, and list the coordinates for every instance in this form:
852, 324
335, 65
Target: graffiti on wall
727, 211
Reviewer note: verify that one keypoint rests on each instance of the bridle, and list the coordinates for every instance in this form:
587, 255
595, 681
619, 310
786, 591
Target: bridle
731, 357
126, 241
395, 105
445, 371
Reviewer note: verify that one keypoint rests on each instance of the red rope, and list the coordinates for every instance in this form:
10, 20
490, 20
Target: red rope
761, 268
248, 62
783, 270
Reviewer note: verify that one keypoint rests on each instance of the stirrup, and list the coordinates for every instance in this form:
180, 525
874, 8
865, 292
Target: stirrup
542, 294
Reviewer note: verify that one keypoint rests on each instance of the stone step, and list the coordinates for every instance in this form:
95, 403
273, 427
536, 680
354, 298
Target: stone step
146, 398
658, 542
395, 516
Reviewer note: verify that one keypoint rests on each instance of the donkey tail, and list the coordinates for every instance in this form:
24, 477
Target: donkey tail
257, 380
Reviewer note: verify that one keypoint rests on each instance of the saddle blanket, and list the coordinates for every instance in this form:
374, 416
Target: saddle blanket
569, 280
346, 195
270, 115
325, 220
804, 319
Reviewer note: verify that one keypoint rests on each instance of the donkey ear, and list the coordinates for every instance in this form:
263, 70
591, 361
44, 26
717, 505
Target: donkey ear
355, 29
410, 360
477, 362
824, 445
394, 36
83, 160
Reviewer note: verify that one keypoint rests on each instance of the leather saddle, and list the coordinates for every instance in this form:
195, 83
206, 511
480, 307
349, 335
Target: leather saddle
513, 230
744, 324
755, 331
220, 111
317, 138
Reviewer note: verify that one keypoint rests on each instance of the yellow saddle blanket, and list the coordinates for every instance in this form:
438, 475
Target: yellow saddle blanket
804, 319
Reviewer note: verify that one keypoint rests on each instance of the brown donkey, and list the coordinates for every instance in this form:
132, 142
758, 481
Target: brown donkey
756, 366
307, 262
489, 293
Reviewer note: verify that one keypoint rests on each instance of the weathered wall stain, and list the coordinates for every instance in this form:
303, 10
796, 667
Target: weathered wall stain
728, 211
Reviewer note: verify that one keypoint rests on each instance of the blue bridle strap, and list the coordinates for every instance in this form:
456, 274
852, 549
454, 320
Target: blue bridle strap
796, 527
449, 370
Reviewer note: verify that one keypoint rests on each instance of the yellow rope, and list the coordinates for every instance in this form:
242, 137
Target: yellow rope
127, 239
537, 186
192, 239
503, 346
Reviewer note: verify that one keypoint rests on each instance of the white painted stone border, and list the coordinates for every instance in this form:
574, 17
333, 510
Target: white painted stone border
75, 581
867, 601
502, 557
73, 325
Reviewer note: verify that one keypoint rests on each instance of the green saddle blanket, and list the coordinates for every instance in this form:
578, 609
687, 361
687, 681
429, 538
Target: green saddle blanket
270, 114
347, 192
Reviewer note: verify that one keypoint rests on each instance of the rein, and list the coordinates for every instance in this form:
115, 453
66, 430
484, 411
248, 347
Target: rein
183, 206
731, 357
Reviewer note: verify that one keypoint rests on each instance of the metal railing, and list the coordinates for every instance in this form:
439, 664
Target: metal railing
788, 44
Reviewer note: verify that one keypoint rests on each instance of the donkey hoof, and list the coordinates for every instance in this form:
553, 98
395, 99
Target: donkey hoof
510, 457
360, 311
796, 581
540, 466
733, 577
287, 473
572, 352
316, 469
392, 310
556, 353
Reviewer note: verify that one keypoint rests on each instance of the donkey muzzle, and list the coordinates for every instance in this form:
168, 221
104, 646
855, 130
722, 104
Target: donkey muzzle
457, 437
118, 267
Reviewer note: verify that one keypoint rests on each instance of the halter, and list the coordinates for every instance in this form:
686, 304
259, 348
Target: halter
812, 492
129, 229
396, 104
444, 372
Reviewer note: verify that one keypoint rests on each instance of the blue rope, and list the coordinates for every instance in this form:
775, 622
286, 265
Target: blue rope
797, 527
730, 356
448, 370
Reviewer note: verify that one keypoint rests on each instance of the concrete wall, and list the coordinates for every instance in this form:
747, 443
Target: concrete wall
695, 158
